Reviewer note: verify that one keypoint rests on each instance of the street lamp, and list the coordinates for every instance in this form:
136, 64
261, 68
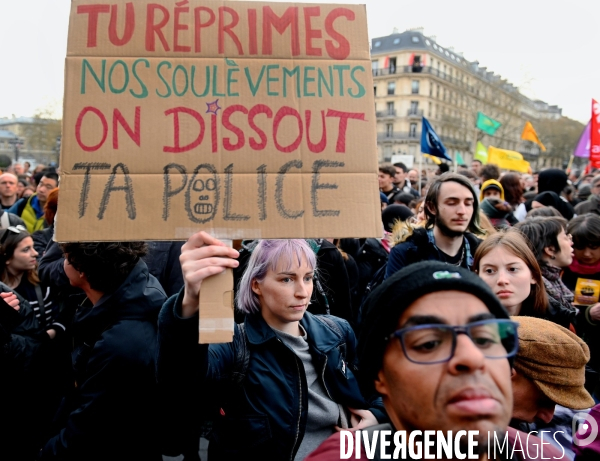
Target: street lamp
16, 143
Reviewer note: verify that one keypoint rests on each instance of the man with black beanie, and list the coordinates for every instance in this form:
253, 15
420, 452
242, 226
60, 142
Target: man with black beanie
437, 345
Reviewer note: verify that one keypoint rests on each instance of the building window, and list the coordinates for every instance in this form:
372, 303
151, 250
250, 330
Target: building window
416, 63
415, 87
392, 66
412, 133
391, 88
430, 90
389, 130
374, 90
390, 108
437, 94
414, 107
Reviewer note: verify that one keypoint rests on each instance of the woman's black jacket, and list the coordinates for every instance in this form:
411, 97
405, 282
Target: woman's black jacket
265, 416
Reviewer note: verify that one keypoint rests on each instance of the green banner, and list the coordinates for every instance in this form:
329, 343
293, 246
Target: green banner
486, 124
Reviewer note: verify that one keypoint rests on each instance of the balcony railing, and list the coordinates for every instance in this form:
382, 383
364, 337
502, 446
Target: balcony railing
416, 136
400, 135
386, 113
422, 70
414, 112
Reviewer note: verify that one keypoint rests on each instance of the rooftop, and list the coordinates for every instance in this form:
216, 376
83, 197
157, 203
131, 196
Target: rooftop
415, 40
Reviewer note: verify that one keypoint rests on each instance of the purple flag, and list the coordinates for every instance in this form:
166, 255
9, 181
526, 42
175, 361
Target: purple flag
583, 146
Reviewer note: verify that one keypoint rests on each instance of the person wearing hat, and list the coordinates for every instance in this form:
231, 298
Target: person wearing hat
552, 180
549, 369
436, 366
548, 377
583, 192
394, 214
494, 205
491, 189
592, 204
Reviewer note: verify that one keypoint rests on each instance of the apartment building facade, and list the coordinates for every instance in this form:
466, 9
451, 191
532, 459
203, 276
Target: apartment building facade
414, 76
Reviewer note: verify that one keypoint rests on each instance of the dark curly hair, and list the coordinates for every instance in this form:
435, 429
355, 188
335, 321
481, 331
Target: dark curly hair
106, 265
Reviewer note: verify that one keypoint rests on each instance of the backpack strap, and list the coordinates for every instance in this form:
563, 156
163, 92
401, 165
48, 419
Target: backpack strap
332, 324
40, 299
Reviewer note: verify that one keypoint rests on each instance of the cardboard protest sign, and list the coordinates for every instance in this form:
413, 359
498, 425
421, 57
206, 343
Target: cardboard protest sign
244, 119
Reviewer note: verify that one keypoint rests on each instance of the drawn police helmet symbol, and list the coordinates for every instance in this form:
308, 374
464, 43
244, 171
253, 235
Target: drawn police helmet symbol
202, 194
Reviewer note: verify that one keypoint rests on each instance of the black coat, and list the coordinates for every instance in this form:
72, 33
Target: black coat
266, 417
114, 415
34, 378
418, 248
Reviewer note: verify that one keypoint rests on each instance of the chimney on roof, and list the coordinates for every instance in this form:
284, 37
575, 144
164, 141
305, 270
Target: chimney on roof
395, 30
433, 38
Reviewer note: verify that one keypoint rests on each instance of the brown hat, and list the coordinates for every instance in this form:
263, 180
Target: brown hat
554, 359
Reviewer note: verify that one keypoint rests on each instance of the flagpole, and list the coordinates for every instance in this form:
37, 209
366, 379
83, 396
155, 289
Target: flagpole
570, 164
455, 161
420, 171
475, 143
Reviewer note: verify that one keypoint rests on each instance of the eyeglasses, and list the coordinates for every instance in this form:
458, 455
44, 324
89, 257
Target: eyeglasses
14, 229
429, 344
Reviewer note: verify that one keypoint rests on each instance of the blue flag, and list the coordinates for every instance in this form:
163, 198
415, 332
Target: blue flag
431, 143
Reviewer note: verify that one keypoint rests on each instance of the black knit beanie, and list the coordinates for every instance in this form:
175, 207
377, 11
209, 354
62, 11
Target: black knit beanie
387, 303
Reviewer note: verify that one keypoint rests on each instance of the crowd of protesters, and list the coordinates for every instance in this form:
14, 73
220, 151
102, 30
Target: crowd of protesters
476, 309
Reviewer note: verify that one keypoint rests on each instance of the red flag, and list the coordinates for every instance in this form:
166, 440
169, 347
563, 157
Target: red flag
595, 135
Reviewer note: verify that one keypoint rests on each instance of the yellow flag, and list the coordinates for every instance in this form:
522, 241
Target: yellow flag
508, 159
433, 158
529, 134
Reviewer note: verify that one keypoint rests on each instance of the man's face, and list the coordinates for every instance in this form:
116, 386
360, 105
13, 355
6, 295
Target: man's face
44, 188
400, 176
454, 209
530, 404
476, 167
8, 185
469, 392
413, 176
596, 188
385, 181
18, 169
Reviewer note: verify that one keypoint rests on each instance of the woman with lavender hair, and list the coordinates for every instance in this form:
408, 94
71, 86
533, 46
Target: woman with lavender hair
287, 381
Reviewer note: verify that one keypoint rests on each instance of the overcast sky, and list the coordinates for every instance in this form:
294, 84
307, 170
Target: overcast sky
546, 49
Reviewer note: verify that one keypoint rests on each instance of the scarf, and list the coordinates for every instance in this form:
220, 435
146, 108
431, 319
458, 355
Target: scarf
560, 298
584, 269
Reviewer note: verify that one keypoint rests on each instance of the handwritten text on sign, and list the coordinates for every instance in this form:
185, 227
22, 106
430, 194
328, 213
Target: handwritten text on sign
254, 119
